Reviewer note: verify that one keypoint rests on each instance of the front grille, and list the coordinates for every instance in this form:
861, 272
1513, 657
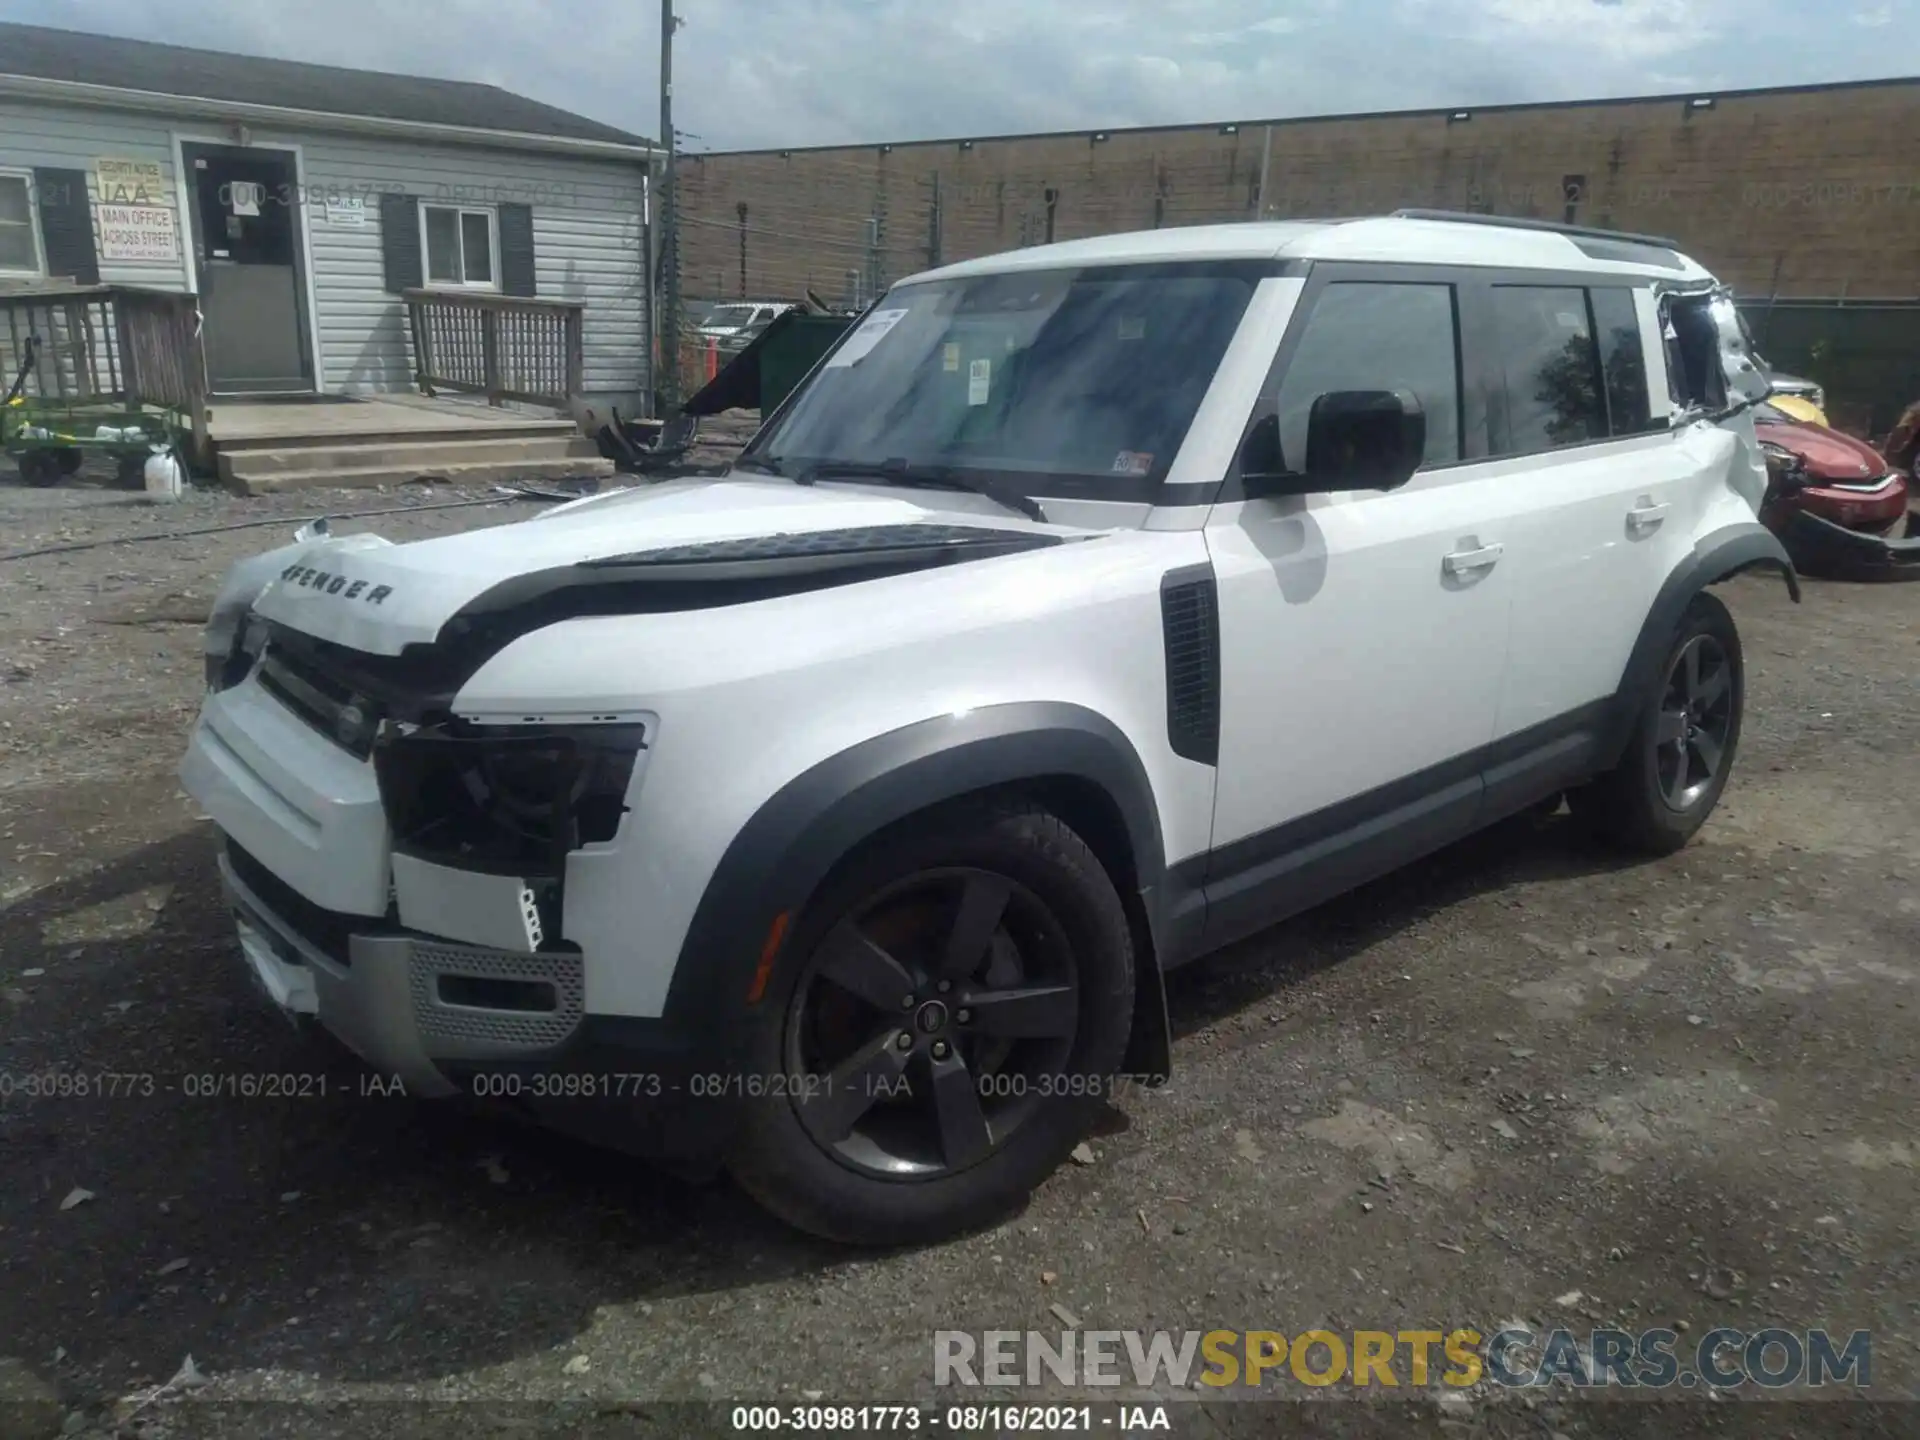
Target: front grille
328, 931
323, 700
557, 980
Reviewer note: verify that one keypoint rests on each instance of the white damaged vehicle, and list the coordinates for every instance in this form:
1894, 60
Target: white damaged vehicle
1088, 609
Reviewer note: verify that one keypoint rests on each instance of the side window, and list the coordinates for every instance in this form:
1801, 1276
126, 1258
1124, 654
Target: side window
1623, 359
1546, 346
1364, 335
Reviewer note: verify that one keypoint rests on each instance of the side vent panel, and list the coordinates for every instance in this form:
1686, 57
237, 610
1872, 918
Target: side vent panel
1190, 626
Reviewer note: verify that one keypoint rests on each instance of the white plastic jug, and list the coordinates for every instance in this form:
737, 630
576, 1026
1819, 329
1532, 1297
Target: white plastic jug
162, 475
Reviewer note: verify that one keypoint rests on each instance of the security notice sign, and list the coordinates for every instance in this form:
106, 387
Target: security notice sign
138, 232
130, 182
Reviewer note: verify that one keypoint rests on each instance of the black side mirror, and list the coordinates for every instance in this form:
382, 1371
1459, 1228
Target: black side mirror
1356, 440
1365, 439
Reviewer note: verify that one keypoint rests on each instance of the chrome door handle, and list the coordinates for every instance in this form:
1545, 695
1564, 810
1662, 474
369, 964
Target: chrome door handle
1462, 562
1646, 515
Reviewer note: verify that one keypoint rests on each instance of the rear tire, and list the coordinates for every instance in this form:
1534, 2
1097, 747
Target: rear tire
1683, 744
1008, 950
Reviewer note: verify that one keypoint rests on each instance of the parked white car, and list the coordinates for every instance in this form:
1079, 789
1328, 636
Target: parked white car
733, 326
1090, 608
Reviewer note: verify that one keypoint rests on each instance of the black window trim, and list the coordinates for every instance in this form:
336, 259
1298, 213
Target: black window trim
1635, 438
1499, 433
1482, 377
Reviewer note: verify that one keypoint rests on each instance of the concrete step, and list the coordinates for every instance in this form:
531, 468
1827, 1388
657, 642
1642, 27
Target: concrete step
349, 430
502, 472
427, 455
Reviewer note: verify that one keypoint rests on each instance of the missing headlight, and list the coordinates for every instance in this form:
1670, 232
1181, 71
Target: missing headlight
224, 671
505, 799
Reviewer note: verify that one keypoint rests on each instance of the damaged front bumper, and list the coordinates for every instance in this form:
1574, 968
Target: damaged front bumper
387, 996
1817, 544
505, 1029
407, 888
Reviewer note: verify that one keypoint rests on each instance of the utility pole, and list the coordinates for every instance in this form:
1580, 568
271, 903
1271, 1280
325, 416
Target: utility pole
668, 382
1266, 165
741, 209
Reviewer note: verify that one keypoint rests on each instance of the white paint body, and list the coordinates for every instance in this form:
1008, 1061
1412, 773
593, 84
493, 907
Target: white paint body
1351, 654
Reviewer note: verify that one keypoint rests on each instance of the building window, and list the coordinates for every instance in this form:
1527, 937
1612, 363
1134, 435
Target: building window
459, 246
19, 235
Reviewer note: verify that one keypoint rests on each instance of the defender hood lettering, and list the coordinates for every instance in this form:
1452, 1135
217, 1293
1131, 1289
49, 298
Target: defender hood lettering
676, 546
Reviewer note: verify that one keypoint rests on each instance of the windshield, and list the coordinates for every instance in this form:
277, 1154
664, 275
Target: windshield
731, 314
1056, 382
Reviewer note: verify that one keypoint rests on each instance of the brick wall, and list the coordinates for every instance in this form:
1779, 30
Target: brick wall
1807, 193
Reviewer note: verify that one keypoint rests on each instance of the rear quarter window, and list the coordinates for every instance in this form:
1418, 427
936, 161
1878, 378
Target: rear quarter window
1623, 360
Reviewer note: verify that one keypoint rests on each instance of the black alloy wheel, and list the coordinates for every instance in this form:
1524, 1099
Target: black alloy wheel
933, 1018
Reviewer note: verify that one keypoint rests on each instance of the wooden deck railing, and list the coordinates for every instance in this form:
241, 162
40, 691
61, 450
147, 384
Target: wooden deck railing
106, 343
505, 347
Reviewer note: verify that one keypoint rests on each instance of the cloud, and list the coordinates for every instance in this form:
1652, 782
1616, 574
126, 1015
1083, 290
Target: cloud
776, 73
1610, 30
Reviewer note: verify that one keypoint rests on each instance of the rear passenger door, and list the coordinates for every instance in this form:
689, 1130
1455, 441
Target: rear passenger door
1595, 483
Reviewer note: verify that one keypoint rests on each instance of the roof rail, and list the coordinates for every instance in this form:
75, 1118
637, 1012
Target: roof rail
1511, 222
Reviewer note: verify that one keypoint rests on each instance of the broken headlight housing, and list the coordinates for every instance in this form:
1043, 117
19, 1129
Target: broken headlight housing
506, 799
1786, 471
227, 668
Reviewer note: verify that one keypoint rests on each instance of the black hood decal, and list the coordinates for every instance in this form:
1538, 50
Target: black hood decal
420, 682
974, 540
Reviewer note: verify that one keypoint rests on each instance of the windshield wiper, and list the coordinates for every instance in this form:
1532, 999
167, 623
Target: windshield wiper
900, 472
759, 465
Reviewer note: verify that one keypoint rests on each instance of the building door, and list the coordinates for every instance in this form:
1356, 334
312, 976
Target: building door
246, 241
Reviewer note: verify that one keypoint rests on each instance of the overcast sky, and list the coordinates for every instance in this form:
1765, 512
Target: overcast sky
755, 73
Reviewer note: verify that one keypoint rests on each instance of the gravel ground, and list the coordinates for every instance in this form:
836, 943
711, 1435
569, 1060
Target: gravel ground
1522, 1081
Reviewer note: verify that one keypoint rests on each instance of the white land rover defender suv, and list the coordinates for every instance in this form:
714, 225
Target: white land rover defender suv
1089, 608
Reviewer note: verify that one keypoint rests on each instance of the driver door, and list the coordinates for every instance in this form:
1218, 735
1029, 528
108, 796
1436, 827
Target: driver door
1363, 635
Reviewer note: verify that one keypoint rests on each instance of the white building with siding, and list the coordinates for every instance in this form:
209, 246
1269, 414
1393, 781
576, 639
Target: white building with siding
300, 201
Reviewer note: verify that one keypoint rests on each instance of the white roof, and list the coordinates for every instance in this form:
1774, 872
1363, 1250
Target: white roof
1389, 239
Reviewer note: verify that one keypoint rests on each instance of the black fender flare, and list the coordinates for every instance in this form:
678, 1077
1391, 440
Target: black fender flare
781, 855
1718, 555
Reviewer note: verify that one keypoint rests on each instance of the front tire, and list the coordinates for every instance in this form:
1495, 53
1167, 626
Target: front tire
951, 1009
1683, 744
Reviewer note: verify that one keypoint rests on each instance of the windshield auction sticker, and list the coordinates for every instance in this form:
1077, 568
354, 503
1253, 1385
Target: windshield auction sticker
872, 331
979, 381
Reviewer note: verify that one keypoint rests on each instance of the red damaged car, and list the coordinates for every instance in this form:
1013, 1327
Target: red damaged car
1834, 501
